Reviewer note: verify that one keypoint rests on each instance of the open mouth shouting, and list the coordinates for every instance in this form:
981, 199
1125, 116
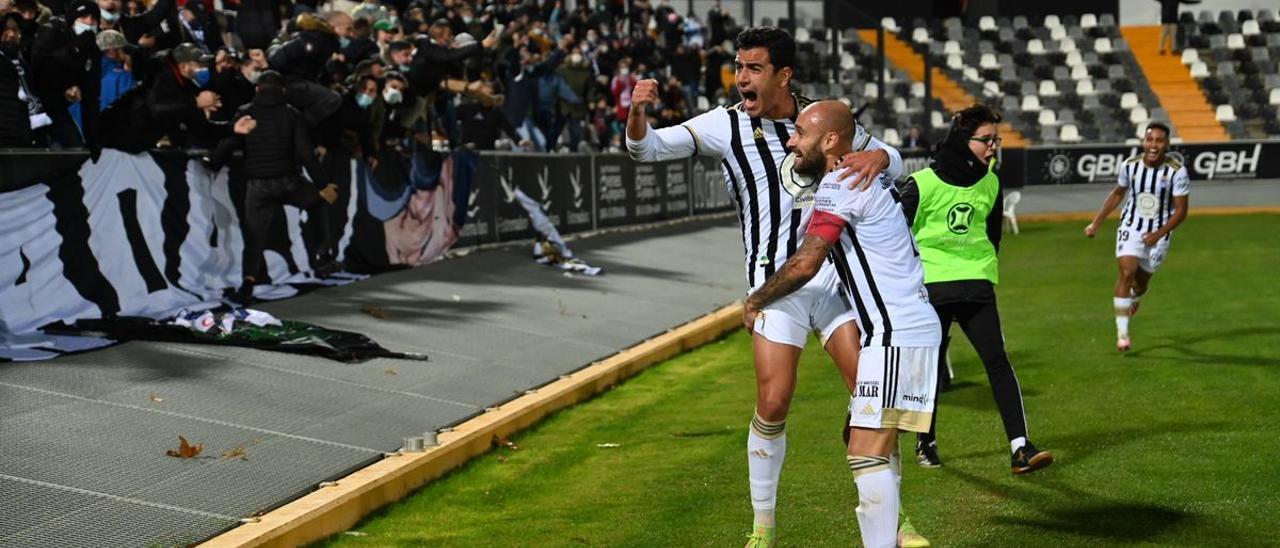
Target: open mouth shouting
750, 100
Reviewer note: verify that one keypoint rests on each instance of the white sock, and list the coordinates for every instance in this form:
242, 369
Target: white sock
1122, 316
1016, 443
764, 466
877, 503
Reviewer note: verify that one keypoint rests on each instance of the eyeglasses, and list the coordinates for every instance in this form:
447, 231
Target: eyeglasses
988, 141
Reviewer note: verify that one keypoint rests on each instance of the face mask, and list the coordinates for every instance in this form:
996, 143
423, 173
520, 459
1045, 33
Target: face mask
344, 42
253, 76
467, 19
392, 96
404, 69
82, 28
110, 16
624, 71
363, 101
202, 77
575, 58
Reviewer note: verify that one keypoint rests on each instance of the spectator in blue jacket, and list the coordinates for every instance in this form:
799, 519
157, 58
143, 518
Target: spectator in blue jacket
117, 67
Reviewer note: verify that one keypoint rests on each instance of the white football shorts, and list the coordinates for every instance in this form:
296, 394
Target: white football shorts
896, 388
1129, 243
820, 305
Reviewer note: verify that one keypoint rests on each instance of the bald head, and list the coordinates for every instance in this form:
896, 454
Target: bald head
824, 132
830, 116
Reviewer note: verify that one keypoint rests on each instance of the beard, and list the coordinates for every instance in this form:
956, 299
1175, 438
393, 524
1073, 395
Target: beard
811, 163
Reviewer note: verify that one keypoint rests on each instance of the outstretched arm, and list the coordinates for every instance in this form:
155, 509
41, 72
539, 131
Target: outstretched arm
1108, 206
796, 272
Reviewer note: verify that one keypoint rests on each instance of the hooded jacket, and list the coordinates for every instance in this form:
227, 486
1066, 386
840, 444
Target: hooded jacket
278, 146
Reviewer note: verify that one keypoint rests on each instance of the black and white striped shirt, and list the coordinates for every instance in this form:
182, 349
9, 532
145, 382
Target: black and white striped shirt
773, 210
1151, 192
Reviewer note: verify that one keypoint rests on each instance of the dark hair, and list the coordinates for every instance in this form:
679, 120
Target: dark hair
781, 46
1160, 126
271, 79
967, 121
398, 45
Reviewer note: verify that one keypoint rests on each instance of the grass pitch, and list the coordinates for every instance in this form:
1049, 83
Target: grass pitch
1174, 444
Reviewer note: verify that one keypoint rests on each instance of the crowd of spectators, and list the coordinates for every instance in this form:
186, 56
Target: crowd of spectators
368, 79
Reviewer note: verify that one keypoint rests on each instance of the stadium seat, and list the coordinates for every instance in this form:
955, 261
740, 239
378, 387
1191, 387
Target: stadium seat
1074, 59
1199, 70
1035, 46
1030, 103
1139, 115
1048, 88
1079, 73
1047, 118
971, 74
1057, 33
1235, 41
1190, 55
1052, 21
937, 120
1102, 45
951, 47
890, 24
987, 23
899, 104
920, 35
848, 62
1275, 97
1011, 200
1088, 21
1070, 133
991, 89
1225, 113
870, 90
988, 62
802, 35
1250, 28
1067, 45
1084, 87
955, 61
891, 137
1129, 100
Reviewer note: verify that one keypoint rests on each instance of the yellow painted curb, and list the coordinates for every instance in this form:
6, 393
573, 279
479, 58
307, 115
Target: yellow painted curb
1195, 211
336, 507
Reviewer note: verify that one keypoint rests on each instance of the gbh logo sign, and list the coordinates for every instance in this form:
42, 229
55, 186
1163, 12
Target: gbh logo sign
1228, 163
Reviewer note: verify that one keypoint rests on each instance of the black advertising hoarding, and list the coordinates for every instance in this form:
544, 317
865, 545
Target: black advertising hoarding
649, 182
615, 190
570, 179
531, 174
1204, 161
480, 227
675, 194
710, 192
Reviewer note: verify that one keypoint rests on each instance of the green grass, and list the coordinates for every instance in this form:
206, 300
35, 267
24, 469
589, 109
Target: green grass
1176, 444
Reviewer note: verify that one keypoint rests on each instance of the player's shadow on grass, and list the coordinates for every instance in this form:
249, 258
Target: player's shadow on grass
1240, 338
974, 395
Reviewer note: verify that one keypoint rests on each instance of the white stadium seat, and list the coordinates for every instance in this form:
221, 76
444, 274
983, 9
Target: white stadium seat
987, 22
1048, 88
955, 61
704, 104
899, 104
991, 89
1190, 55
1102, 45
1235, 41
891, 137
917, 89
1070, 133
1067, 45
1052, 21
1030, 103
1057, 33
889, 24
1088, 21
1139, 115
1074, 59
1225, 113
988, 62
937, 120
802, 35
1128, 100
920, 35
1078, 73
1250, 28
1275, 97
951, 47
971, 74
1035, 46
1085, 87
1199, 70
847, 61
1047, 118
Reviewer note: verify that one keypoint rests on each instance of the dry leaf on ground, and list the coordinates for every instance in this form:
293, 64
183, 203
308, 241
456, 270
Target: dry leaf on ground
375, 311
504, 442
502, 459
155, 397
389, 371
236, 452
185, 449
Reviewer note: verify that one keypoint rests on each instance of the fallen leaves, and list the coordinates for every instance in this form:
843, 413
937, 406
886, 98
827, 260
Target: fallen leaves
185, 449
236, 452
155, 398
375, 311
390, 371
504, 442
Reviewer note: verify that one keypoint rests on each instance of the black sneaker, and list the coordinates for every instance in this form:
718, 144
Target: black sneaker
927, 455
1029, 459
239, 297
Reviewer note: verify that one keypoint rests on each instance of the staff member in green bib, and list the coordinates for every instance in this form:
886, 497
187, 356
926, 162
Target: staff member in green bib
954, 208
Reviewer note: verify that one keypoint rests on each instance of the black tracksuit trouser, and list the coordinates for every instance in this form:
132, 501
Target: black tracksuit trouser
980, 322
262, 202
